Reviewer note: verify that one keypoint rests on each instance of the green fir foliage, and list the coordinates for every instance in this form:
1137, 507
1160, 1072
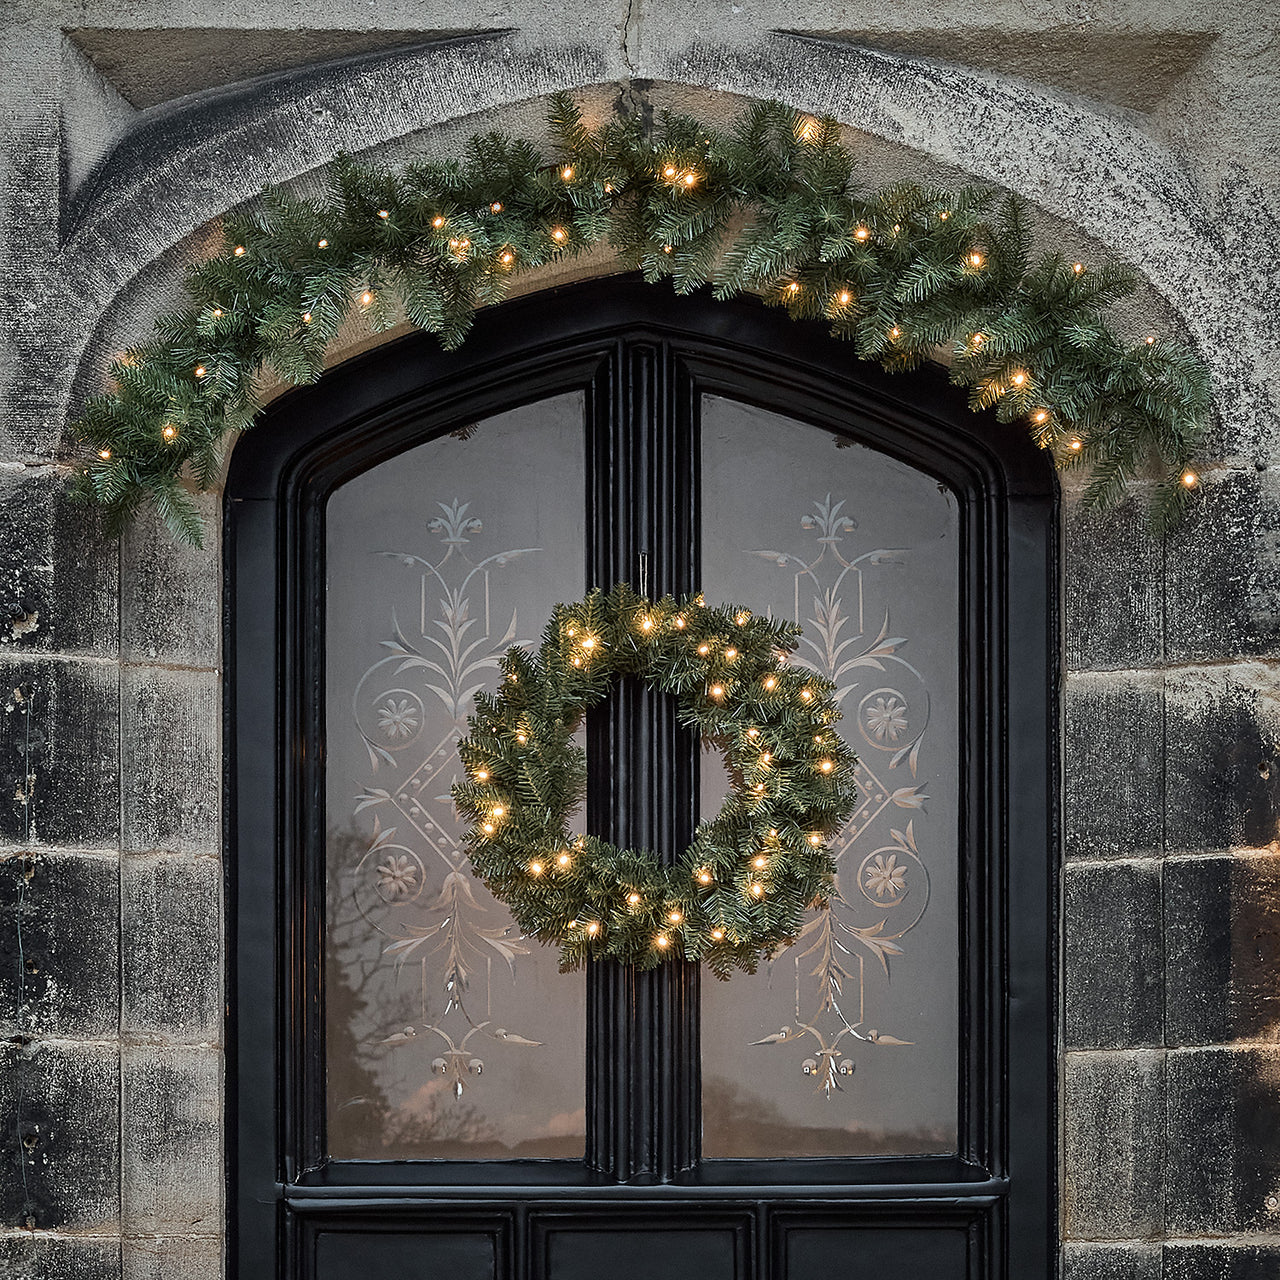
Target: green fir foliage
738, 893
770, 207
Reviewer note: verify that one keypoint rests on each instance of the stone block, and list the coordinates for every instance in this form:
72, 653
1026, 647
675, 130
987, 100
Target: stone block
171, 1172
58, 568
1222, 766
171, 966
170, 593
60, 1112
66, 911
59, 753
1113, 1145
1111, 587
1223, 1140
172, 759
1113, 744
31, 1257
1111, 1261
1223, 571
173, 1258
1222, 946
1113, 956
1211, 1260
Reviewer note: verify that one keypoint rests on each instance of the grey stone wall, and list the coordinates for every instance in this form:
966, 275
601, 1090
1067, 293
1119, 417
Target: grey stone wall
1145, 131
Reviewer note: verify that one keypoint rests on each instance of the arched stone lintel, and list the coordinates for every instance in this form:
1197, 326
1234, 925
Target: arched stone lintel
1077, 162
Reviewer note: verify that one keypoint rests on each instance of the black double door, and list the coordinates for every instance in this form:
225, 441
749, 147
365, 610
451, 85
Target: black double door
642, 1203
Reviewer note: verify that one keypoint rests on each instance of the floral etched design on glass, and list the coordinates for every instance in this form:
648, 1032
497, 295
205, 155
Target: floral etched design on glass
449, 1035
840, 999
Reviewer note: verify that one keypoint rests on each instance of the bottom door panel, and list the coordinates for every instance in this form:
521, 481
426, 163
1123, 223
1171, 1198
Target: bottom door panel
885, 1240
370, 1245
875, 1253
665, 1244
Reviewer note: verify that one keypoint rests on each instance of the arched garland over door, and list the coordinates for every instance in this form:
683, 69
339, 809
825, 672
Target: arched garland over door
770, 208
979, 1205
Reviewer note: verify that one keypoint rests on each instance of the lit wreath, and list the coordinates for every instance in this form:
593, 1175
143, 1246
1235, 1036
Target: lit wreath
739, 891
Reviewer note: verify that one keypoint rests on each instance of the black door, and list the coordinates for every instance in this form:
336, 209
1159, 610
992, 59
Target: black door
414, 1089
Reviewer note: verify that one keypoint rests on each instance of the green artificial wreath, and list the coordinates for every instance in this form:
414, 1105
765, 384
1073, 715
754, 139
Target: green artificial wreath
770, 207
738, 892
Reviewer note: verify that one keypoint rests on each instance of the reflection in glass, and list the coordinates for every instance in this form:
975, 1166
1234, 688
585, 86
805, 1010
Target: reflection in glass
848, 1043
447, 1034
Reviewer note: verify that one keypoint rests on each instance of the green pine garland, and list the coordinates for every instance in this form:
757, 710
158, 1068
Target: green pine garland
769, 207
739, 891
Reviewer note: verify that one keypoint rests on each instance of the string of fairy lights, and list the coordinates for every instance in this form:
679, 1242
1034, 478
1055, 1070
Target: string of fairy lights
738, 892
770, 208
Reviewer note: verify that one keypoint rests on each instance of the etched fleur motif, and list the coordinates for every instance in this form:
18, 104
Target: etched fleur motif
886, 718
397, 877
397, 719
885, 878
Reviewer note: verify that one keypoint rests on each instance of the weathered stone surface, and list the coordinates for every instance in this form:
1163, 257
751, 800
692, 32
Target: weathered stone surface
1222, 769
31, 1257
172, 1258
1222, 944
171, 1175
171, 757
1113, 1145
59, 753
1113, 746
58, 569
1223, 570
1221, 1261
60, 1105
1111, 1262
66, 913
1224, 1140
171, 594
1111, 588
171, 969
1113, 956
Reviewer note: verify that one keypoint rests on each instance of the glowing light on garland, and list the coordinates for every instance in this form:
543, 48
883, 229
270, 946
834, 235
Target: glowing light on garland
769, 207
738, 893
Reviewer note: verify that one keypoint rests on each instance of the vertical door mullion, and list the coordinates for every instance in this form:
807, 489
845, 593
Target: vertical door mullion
642, 1037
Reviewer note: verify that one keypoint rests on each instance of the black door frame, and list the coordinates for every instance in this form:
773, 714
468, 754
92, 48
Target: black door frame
643, 356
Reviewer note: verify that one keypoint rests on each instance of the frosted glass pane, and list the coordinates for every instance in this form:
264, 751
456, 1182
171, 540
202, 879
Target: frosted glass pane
448, 1035
848, 1043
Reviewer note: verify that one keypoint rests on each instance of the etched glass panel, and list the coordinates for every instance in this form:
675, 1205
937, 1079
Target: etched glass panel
447, 1034
847, 1044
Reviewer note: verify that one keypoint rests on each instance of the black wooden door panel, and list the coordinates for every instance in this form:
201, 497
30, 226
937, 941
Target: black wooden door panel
641, 1204
370, 1256
670, 1245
